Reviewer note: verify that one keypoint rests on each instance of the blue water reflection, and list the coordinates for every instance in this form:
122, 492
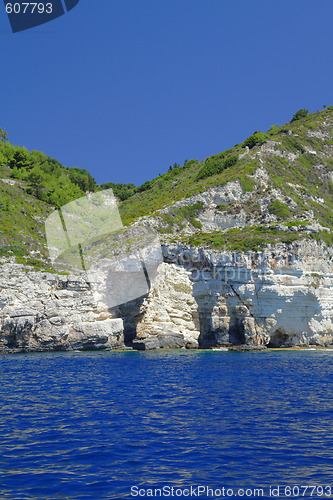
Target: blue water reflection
91, 425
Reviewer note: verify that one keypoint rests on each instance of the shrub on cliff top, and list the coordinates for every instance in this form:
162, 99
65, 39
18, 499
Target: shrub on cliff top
256, 139
301, 113
179, 215
215, 164
279, 209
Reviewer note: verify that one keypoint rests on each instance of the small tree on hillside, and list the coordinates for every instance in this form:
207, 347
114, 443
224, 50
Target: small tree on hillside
3, 135
36, 179
21, 159
301, 113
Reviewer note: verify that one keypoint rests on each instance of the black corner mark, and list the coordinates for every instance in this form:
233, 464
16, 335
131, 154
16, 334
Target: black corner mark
25, 14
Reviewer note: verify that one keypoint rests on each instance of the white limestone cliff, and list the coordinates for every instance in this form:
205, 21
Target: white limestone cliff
42, 311
280, 297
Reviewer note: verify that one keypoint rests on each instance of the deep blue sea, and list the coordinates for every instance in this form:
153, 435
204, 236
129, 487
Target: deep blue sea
93, 425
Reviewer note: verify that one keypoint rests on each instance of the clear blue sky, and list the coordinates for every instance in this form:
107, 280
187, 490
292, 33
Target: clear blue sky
124, 88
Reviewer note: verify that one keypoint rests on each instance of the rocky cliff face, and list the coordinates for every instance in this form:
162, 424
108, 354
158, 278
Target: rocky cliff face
277, 192
43, 311
200, 298
169, 316
278, 298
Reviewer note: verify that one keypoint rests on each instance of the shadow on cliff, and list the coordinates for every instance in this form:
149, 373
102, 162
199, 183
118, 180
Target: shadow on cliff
217, 326
266, 317
131, 313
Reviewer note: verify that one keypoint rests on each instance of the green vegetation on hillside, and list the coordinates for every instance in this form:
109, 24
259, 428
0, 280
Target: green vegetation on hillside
243, 239
298, 161
279, 209
44, 177
301, 113
22, 232
179, 216
256, 139
120, 190
196, 177
215, 164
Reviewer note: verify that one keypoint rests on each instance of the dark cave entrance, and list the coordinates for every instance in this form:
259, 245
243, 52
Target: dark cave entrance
278, 339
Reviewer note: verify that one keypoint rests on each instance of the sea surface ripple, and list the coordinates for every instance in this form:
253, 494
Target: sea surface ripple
92, 425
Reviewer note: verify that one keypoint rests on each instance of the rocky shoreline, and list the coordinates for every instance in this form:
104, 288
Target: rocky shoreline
281, 297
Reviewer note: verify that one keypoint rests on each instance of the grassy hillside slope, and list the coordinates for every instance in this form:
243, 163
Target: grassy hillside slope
296, 158
292, 137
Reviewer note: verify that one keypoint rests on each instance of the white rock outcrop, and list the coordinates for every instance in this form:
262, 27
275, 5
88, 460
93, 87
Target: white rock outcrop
43, 311
279, 297
169, 314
